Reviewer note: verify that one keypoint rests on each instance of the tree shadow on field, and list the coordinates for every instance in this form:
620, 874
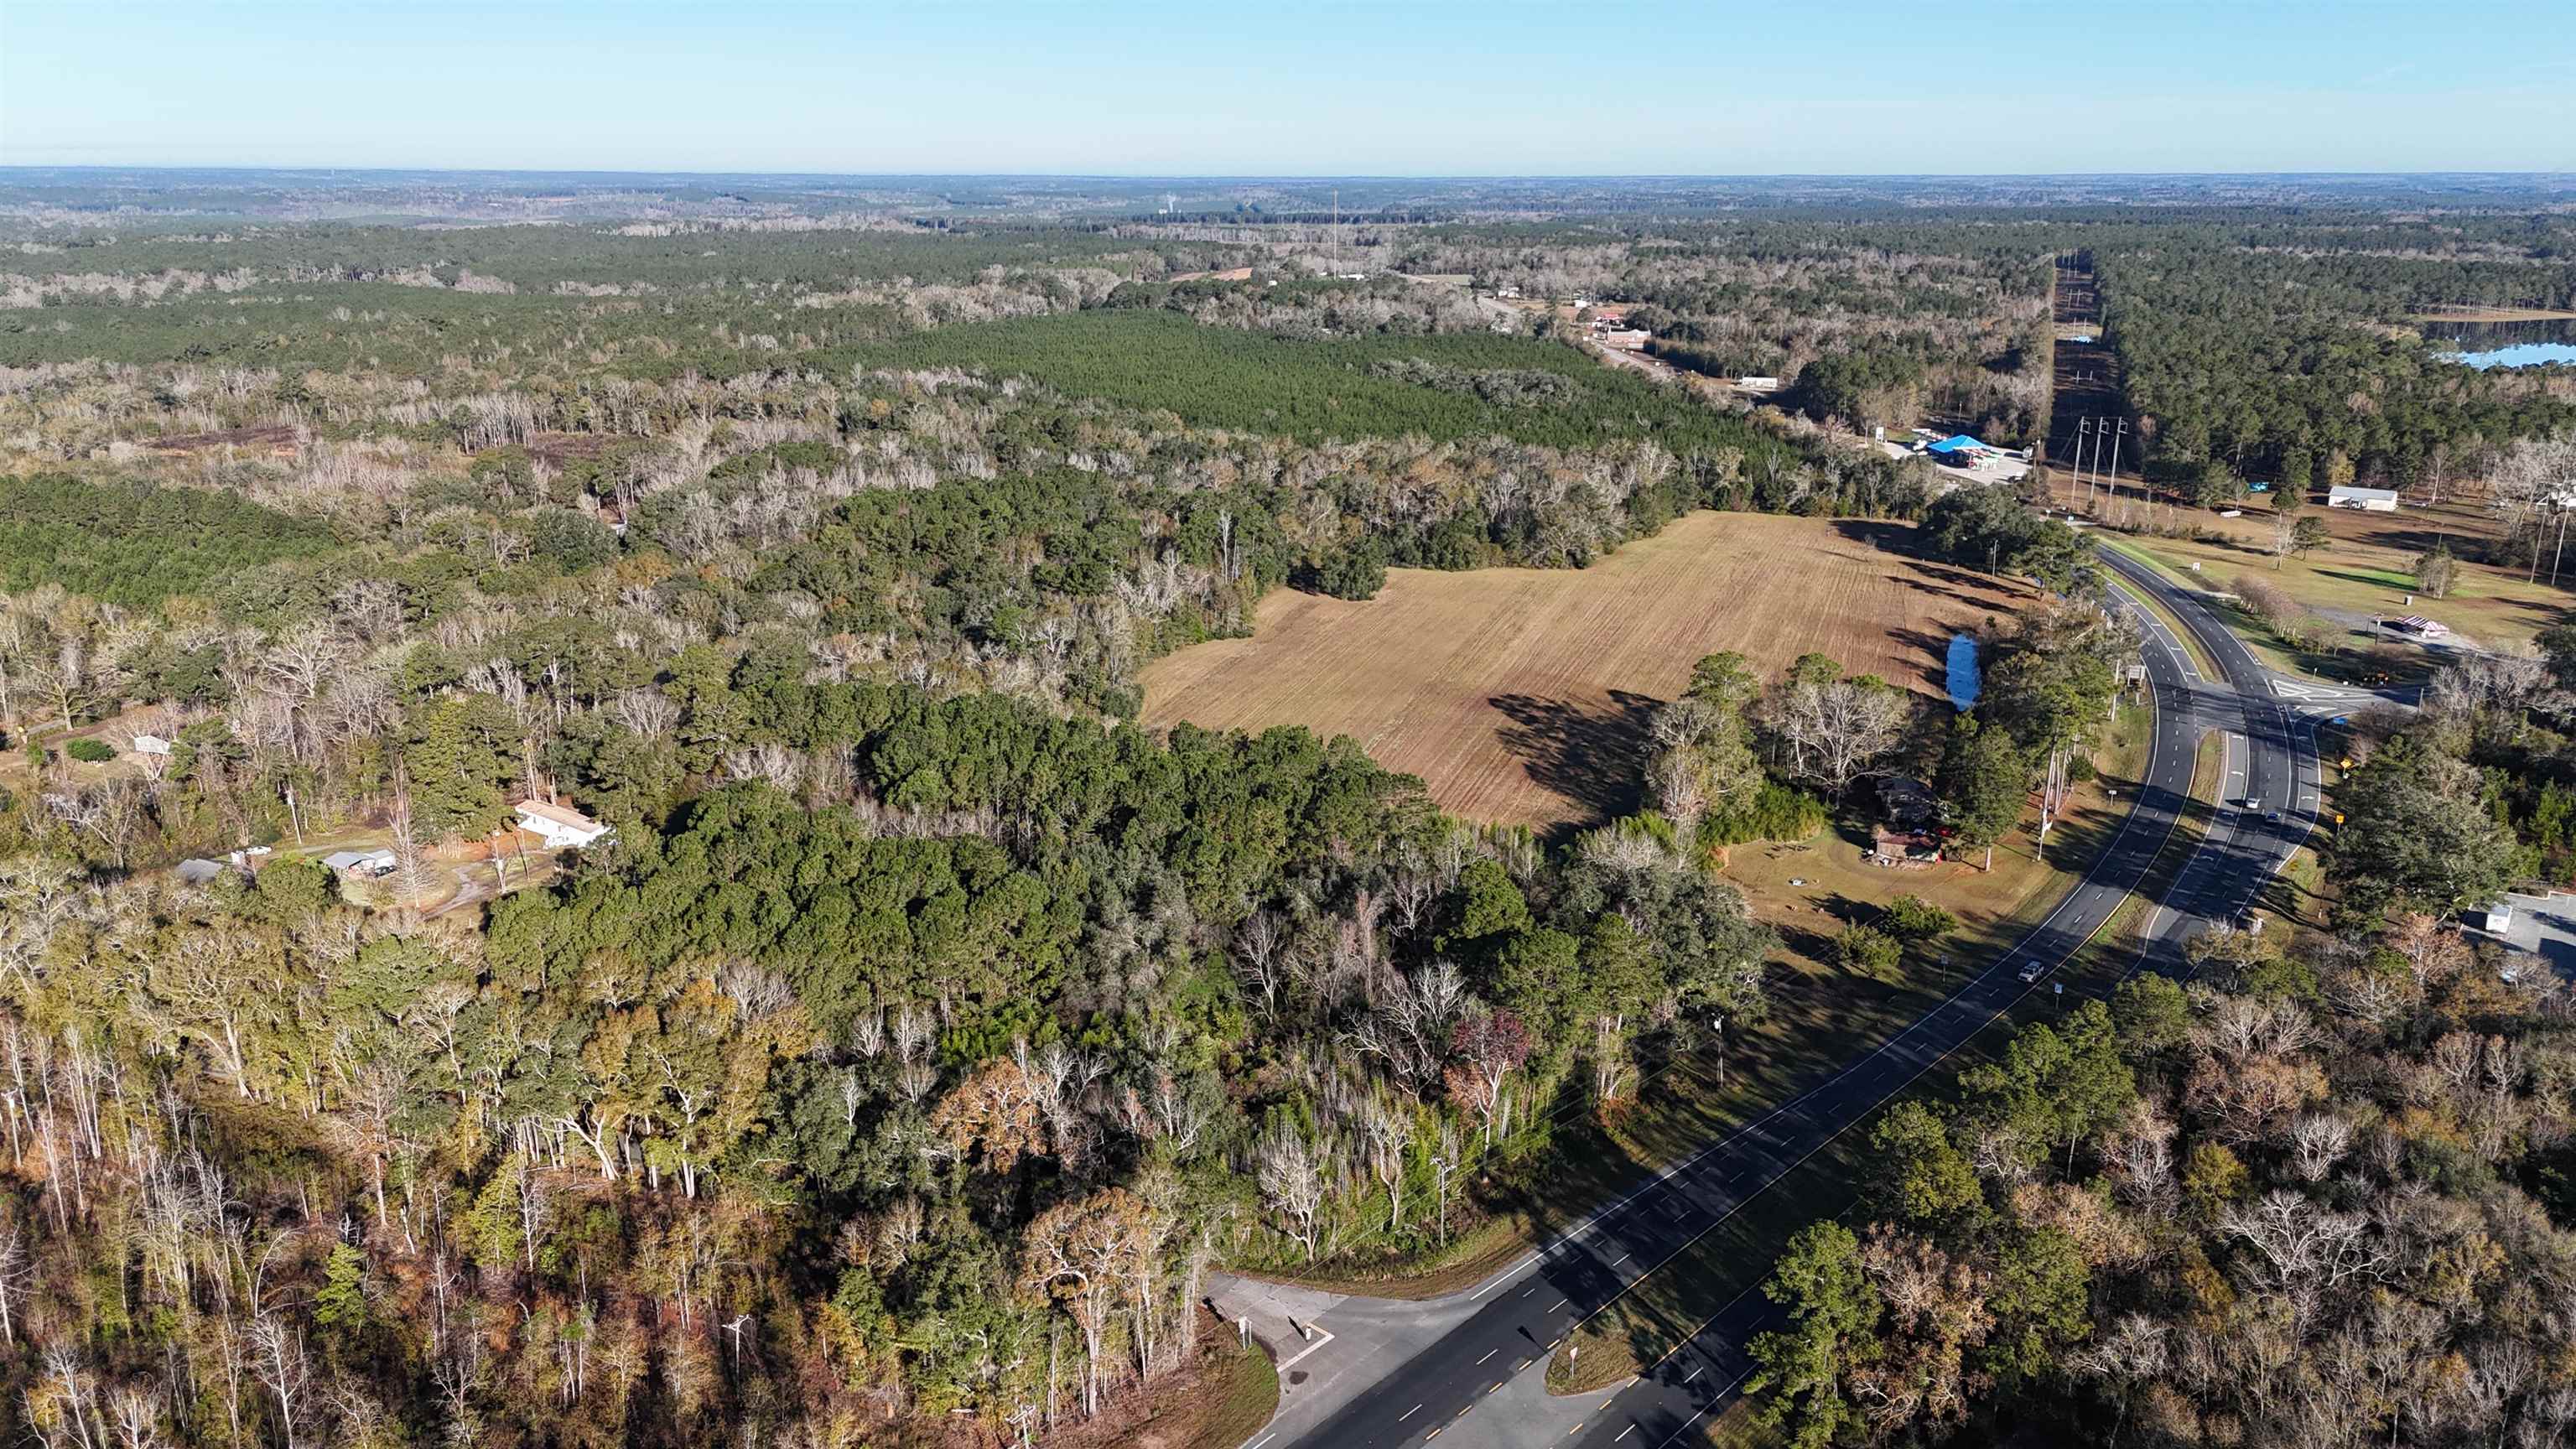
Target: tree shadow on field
1933, 648
1592, 756
1882, 534
1938, 591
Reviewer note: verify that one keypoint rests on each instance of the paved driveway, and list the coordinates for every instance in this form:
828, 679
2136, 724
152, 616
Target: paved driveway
2546, 926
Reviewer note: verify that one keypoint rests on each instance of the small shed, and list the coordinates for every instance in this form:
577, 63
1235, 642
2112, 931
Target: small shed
2369, 500
198, 871
361, 864
151, 745
2496, 919
1905, 849
559, 826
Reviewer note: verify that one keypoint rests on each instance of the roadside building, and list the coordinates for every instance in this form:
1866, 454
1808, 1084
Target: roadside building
560, 827
2368, 500
2420, 627
360, 864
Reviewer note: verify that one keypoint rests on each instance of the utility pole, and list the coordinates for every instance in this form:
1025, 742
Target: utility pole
1337, 231
2115, 459
2083, 434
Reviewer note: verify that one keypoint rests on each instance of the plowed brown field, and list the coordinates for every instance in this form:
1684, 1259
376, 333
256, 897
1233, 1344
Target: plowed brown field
1522, 695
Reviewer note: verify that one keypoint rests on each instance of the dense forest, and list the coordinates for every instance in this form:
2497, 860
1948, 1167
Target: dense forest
926, 1031
2296, 354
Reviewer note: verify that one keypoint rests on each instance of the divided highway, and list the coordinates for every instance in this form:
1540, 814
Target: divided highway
1471, 1367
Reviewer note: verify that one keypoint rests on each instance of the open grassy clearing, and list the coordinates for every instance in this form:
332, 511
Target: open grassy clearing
2369, 568
1522, 695
2356, 656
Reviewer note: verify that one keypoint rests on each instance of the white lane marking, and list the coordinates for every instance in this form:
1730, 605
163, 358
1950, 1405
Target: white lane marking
1694, 1373
1693, 1419
1489, 1353
1623, 1257
1409, 1413
1560, 1303
1310, 1348
1624, 1433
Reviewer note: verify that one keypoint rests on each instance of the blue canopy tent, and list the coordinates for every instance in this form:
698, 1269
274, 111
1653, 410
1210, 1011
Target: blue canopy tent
1958, 443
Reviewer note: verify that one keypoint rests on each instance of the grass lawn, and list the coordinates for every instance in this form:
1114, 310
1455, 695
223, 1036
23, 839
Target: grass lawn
2401, 661
2369, 569
1242, 1397
1221, 1398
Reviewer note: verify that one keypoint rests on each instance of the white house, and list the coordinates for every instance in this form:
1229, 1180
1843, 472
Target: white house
2369, 500
561, 828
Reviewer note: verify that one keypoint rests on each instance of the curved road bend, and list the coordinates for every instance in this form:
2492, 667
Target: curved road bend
1433, 1363
2271, 762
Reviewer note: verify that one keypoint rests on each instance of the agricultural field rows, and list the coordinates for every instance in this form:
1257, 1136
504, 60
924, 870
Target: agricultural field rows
1521, 695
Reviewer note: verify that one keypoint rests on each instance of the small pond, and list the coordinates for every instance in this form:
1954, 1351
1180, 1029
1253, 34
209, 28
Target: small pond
1964, 678
2505, 344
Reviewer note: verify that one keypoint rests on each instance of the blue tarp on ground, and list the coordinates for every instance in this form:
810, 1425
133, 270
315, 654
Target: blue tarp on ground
1955, 443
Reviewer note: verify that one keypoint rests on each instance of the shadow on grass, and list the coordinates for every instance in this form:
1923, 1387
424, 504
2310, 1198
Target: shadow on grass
1587, 755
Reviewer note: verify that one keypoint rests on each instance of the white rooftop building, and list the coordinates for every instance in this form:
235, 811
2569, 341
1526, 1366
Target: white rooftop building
560, 827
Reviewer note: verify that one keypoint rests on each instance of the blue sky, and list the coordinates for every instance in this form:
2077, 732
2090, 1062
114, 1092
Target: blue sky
1401, 87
